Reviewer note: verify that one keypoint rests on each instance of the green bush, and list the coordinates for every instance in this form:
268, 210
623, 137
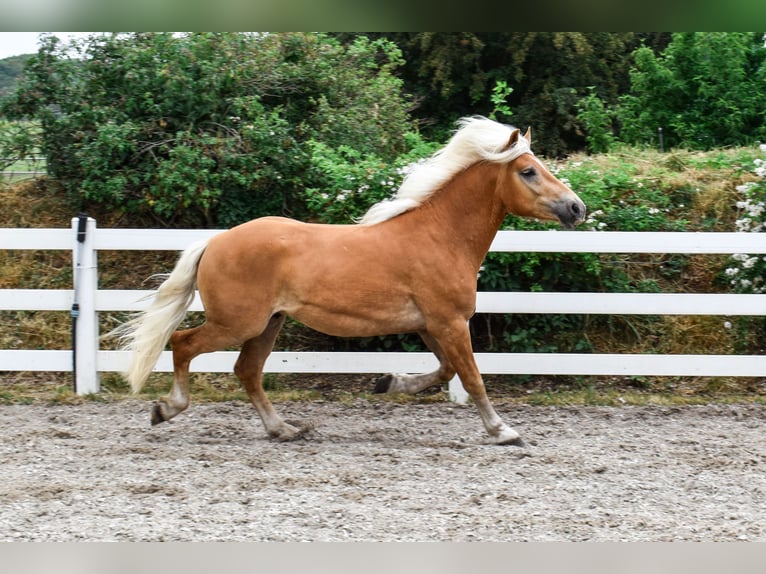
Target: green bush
705, 90
597, 120
207, 129
353, 181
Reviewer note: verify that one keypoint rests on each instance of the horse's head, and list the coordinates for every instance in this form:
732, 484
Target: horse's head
528, 189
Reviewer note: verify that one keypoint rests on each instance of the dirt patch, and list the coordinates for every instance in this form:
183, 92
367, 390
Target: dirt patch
382, 471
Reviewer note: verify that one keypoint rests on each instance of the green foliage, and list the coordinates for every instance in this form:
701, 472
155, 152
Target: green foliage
499, 99
18, 142
620, 198
210, 128
354, 181
597, 121
704, 90
452, 74
747, 273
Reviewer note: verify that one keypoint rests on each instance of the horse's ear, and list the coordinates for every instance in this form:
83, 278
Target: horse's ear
528, 136
514, 138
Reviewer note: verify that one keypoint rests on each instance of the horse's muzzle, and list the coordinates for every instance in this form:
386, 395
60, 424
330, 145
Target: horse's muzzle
570, 212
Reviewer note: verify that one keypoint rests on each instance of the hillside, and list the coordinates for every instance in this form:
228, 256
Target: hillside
10, 70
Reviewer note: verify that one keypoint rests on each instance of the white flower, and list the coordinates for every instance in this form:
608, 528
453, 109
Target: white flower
743, 224
731, 271
727, 324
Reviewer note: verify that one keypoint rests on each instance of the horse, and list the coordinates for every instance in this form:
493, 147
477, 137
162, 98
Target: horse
410, 264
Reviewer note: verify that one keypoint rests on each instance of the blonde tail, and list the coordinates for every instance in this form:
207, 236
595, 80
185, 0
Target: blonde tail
146, 334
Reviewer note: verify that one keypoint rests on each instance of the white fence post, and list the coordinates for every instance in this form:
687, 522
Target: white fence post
457, 394
85, 340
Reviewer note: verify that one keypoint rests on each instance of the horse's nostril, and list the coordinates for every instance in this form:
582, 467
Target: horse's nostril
576, 210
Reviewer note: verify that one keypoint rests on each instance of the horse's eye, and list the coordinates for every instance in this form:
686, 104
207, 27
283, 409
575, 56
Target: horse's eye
528, 173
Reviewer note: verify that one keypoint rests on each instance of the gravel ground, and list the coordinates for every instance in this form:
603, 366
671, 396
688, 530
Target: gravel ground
381, 471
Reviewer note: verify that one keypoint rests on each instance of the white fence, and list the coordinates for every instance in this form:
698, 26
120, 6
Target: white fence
90, 360
32, 162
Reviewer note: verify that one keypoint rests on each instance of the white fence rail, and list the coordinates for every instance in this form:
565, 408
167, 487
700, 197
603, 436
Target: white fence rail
90, 360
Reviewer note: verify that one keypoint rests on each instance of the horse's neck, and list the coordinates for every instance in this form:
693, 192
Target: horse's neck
464, 215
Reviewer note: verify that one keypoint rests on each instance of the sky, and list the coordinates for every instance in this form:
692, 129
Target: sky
16, 43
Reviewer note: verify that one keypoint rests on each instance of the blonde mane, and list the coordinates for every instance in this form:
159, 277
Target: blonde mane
477, 139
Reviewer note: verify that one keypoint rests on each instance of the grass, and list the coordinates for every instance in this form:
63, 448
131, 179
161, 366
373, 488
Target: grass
52, 388
55, 388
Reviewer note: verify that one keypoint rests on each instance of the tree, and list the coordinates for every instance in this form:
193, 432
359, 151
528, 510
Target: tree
215, 127
705, 89
454, 74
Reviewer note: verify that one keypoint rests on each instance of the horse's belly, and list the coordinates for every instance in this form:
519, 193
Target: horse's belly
363, 321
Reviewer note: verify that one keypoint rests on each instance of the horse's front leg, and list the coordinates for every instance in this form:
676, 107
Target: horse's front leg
455, 341
412, 384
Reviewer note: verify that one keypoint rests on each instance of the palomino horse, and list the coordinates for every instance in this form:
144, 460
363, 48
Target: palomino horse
409, 265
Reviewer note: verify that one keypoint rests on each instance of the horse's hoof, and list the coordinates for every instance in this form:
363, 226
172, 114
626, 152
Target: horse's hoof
288, 432
383, 384
157, 416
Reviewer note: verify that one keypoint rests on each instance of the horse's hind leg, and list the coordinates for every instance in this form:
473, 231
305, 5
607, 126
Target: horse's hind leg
412, 384
249, 370
186, 345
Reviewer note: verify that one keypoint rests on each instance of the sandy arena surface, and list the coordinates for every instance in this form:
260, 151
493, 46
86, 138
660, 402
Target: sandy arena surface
381, 471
